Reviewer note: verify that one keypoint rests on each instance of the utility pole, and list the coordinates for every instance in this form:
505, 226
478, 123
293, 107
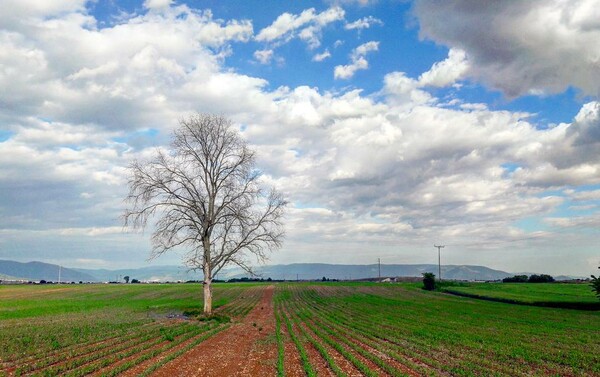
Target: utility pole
439, 260
379, 262
59, 272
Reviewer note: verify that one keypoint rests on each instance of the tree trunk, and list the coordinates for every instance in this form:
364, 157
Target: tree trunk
207, 296
207, 288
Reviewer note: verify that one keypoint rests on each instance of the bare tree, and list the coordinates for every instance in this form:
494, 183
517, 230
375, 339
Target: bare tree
205, 196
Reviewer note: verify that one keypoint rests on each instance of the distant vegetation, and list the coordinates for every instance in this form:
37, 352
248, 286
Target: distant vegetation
596, 285
543, 278
575, 296
428, 281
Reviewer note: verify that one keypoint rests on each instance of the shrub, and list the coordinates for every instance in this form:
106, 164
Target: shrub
516, 279
541, 279
428, 281
595, 284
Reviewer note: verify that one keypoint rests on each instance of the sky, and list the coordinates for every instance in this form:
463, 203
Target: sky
389, 126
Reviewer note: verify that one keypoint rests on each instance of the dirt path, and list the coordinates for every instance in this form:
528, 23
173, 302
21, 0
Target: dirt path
247, 348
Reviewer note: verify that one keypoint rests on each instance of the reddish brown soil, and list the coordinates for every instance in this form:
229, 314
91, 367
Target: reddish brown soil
317, 361
292, 364
247, 348
344, 364
139, 368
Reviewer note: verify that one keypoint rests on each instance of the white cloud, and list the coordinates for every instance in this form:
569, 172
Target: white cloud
585, 195
157, 4
446, 72
92, 232
263, 56
347, 71
322, 56
307, 26
358, 61
365, 48
521, 47
389, 169
363, 23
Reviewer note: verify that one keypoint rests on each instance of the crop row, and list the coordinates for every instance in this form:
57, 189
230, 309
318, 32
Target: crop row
80, 346
399, 336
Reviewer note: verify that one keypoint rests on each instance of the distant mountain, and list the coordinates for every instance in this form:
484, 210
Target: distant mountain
311, 271
8, 277
151, 273
42, 271
302, 271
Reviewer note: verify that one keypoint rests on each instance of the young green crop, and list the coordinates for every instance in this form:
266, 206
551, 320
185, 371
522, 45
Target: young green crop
431, 332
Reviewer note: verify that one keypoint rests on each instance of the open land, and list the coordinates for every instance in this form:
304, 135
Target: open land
294, 329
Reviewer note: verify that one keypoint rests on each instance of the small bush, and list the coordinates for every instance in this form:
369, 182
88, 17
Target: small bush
516, 279
541, 279
595, 284
428, 281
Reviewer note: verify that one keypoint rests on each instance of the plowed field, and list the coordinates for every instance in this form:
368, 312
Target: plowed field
299, 329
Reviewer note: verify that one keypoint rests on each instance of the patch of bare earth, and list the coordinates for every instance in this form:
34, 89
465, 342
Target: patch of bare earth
316, 359
247, 348
292, 363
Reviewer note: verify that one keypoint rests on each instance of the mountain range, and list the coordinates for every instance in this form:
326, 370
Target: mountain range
11, 270
41, 271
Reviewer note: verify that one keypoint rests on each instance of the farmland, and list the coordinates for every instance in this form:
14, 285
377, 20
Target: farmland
539, 293
294, 329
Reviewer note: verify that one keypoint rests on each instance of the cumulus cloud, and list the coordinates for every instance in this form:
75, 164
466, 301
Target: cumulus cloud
357, 61
363, 23
263, 56
322, 56
157, 4
307, 26
446, 72
521, 47
396, 167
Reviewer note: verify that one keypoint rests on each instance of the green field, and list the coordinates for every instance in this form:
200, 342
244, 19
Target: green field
531, 293
55, 329
348, 328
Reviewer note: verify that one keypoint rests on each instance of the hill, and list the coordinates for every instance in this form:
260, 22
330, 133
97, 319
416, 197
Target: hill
301, 271
42, 271
151, 273
311, 271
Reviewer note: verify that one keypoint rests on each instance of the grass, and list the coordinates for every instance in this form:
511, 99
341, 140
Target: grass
541, 294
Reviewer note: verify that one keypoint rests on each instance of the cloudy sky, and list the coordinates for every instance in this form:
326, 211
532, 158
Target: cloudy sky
389, 125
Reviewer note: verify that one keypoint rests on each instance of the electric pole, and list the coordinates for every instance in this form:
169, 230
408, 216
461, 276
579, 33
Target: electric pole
59, 272
439, 247
379, 263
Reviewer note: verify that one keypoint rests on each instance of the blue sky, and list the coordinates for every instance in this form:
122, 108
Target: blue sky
389, 125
